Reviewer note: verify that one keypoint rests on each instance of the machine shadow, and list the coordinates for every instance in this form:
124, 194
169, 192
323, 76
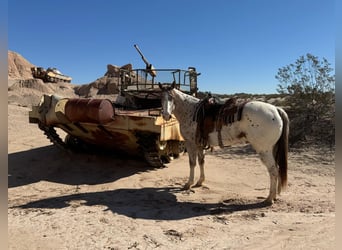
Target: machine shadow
51, 164
145, 203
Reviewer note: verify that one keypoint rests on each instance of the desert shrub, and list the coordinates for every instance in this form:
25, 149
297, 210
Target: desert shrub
310, 86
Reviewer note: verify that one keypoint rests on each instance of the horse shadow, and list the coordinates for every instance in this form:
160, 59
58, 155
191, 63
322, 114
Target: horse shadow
52, 164
145, 203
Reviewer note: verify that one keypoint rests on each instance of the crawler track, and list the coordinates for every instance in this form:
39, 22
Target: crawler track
147, 143
52, 135
148, 146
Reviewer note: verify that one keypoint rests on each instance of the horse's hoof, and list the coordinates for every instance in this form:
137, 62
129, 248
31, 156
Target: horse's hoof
198, 184
186, 186
268, 202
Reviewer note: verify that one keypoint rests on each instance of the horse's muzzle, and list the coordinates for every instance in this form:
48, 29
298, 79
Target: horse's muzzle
166, 117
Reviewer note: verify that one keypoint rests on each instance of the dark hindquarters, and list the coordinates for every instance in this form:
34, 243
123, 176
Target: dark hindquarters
281, 148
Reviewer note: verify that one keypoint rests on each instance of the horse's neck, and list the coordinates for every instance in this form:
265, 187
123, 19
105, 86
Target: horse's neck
185, 106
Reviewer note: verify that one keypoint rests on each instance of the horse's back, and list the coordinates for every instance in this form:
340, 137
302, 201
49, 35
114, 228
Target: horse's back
261, 123
261, 112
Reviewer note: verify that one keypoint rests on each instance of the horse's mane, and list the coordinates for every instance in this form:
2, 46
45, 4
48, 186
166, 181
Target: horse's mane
185, 96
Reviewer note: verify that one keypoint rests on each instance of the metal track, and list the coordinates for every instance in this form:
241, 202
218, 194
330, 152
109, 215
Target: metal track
147, 143
52, 135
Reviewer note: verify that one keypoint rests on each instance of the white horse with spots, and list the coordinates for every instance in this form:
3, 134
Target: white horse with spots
263, 125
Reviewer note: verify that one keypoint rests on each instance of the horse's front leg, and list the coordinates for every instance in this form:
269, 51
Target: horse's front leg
192, 163
200, 154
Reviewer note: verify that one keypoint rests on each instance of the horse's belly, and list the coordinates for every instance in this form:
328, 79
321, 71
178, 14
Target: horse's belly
228, 135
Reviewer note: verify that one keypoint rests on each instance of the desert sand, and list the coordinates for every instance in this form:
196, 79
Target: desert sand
58, 200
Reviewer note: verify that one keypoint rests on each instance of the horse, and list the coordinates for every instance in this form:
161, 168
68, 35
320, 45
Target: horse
209, 123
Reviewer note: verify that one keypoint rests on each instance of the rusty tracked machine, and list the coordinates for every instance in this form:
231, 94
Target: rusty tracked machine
49, 75
132, 124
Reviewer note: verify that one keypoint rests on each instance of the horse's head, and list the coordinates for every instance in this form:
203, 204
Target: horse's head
167, 101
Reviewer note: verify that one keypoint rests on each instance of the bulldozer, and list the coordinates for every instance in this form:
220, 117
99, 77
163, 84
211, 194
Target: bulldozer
49, 75
132, 124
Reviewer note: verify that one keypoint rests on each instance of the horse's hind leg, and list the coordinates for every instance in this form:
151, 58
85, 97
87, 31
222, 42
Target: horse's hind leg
200, 155
268, 159
279, 185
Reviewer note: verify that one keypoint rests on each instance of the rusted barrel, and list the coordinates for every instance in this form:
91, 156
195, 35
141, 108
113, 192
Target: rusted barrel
89, 110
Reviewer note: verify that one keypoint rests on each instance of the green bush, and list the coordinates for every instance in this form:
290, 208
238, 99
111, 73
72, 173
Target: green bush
310, 86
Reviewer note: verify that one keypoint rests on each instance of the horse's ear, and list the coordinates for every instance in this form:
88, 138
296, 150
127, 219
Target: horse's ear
160, 86
173, 85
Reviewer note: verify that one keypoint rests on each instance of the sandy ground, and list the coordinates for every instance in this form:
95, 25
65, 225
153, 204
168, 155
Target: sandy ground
62, 201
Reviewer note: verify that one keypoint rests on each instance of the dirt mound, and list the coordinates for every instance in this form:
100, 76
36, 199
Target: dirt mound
102, 86
28, 92
36, 84
18, 66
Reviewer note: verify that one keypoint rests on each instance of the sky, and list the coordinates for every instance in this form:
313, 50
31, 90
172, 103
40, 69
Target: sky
237, 45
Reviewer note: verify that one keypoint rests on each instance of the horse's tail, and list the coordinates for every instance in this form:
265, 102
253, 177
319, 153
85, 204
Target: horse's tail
281, 149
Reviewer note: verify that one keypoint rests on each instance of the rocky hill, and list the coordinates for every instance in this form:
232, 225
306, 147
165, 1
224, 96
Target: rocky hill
25, 90
18, 66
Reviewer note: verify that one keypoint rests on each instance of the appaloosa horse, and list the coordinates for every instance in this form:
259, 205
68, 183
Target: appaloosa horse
208, 123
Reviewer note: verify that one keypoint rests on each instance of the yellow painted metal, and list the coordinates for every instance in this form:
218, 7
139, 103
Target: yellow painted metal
120, 133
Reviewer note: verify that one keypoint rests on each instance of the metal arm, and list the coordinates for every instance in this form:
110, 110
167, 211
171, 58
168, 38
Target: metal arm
149, 66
